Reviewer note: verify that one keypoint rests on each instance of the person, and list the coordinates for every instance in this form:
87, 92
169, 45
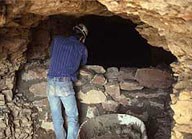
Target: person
67, 55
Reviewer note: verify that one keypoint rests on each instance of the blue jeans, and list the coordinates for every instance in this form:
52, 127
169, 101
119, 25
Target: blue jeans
60, 92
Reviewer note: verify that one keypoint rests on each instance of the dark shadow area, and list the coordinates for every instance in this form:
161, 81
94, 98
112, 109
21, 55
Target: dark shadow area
113, 41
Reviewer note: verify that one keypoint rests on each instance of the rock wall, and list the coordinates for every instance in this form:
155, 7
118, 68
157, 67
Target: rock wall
143, 93
166, 23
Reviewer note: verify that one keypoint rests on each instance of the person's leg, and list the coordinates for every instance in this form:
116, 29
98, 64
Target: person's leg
55, 106
71, 111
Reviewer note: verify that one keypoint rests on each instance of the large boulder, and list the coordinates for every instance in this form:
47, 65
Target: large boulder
153, 78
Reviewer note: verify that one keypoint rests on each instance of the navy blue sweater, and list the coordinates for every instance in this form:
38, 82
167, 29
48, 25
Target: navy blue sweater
67, 54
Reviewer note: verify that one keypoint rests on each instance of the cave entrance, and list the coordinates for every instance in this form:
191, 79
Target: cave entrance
127, 58
114, 41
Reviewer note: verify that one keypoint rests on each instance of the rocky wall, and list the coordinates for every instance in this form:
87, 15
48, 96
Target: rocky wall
15, 112
143, 93
166, 23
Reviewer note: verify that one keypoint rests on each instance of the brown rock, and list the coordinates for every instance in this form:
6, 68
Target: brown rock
8, 95
126, 74
92, 112
41, 103
2, 124
36, 73
92, 97
2, 99
183, 112
185, 95
183, 128
87, 87
110, 105
112, 73
113, 89
8, 132
2, 84
153, 78
98, 79
122, 99
86, 73
39, 44
2, 134
130, 85
39, 89
97, 69
9, 83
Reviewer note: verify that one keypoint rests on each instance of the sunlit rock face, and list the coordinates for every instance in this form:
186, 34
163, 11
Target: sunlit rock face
166, 24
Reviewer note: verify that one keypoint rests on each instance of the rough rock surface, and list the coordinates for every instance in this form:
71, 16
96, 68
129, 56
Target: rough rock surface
163, 23
149, 104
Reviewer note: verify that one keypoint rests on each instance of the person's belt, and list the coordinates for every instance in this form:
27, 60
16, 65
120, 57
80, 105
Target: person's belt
60, 78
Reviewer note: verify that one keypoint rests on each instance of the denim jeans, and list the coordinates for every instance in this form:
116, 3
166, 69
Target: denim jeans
60, 92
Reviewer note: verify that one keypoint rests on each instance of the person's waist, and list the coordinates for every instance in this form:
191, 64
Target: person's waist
59, 78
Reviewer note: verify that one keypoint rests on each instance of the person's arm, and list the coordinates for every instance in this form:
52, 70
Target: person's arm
84, 56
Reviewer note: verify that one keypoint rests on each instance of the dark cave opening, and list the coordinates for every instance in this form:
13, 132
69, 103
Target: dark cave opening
113, 41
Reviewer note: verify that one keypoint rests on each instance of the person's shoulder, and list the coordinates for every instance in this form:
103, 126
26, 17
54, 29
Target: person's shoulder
56, 37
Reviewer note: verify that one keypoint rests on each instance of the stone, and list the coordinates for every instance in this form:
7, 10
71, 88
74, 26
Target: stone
183, 112
185, 95
97, 69
113, 89
173, 98
8, 95
164, 23
9, 83
2, 124
17, 123
39, 89
92, 97
34, 74
86, 73
98, 79
110, 105
112, 73
8, 132
92, 112
2, 134
122, 99
177, 135
2, 99
47, 125
23, 135
41, 103
2, 84
130, 85
183, 128
87, 87
2, 20
182, 84
153, 78
126, 74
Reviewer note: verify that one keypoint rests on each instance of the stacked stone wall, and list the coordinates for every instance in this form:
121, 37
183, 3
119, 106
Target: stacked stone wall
141, 92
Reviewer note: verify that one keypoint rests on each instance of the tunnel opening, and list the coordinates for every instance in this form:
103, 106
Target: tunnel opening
114, 41
118, 56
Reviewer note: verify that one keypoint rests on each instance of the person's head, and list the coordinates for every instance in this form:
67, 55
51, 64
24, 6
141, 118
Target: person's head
80, 31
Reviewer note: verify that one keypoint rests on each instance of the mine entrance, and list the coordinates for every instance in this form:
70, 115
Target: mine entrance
127, 58
114, 41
